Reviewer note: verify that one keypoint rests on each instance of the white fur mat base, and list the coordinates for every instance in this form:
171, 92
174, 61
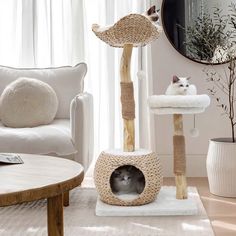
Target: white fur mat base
30, 219
165, 204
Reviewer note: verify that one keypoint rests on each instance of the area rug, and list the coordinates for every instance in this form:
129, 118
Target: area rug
30, 219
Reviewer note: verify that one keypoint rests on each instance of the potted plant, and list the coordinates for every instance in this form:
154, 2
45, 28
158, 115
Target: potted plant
221, 157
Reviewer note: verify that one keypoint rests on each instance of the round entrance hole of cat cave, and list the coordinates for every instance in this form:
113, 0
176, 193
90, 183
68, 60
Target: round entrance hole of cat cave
127, 182
148, 167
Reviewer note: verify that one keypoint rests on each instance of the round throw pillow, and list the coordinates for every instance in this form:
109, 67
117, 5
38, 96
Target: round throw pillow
28, 102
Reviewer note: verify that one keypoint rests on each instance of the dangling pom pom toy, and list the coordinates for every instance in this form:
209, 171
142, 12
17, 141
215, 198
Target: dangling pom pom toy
141, 74
194, 132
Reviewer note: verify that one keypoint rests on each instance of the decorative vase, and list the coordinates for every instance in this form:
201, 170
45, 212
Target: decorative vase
221, 167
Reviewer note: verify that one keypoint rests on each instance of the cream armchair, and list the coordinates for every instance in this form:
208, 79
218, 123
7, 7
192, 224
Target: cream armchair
70, 135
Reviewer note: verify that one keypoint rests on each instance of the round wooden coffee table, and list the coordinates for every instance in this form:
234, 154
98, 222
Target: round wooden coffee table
40, 177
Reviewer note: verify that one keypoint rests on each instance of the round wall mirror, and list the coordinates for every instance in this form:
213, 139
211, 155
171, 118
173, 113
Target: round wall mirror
201, 30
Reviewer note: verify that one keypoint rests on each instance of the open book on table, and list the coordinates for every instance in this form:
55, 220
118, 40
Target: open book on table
10, 158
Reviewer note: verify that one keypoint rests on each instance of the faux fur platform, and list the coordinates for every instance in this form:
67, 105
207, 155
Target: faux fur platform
178, 104
165, 205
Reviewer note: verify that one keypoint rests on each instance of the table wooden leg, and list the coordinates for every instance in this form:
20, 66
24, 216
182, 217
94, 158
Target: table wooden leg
66, 199
55, 216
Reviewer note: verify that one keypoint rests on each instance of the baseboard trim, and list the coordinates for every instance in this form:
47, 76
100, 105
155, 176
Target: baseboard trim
196, 165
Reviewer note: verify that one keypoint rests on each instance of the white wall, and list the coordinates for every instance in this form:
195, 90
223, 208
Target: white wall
166, 63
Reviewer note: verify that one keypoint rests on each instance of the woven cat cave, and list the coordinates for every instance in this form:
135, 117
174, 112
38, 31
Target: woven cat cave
179, 105
146, 161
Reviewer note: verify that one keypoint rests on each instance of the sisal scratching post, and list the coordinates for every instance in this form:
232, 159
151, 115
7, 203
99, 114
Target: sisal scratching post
127, 99
179, 157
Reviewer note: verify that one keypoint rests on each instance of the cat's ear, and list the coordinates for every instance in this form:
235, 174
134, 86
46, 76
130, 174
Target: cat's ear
151, 10
130, 168
188, 78
117, 172
175, 79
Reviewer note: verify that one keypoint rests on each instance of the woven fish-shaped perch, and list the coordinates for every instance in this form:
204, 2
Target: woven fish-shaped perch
135, 29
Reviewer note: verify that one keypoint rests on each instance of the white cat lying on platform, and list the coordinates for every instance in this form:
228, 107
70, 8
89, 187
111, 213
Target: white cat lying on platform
181, 86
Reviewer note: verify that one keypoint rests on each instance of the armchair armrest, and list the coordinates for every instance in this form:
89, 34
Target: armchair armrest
81, 120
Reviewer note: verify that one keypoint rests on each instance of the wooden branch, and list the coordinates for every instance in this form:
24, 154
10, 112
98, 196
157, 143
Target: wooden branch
181, 187
125, 63
129, 136
178, 124
129, 129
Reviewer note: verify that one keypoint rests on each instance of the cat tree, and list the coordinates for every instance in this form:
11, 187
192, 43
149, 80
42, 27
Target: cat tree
133, 30
177, 105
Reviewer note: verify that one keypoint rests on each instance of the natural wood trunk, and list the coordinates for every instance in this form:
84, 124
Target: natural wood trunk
55, 216
181, 186
179, 157
129, 129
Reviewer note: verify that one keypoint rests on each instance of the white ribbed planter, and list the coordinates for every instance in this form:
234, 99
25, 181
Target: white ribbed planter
221, 167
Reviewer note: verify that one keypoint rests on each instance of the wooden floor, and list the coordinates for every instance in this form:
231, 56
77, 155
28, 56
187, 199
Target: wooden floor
221, 211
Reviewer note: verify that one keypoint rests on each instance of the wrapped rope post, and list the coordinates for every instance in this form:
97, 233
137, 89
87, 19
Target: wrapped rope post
179, 157
127, 99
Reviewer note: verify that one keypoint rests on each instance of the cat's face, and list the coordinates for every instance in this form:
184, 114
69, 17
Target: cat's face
123, 176
152, 14
180, 84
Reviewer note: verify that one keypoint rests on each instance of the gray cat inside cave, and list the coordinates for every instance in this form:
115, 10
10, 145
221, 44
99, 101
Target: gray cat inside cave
127, 179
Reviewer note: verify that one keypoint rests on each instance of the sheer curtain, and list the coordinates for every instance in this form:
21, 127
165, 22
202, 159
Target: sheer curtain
45, 33
41, 33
